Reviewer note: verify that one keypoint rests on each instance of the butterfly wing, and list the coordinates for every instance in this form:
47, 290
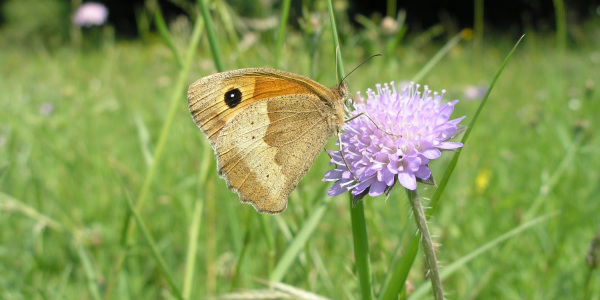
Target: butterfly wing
216, 99
267, 148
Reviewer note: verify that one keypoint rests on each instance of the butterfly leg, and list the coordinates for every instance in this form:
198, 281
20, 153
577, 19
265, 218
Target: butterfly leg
339, 134
363, 114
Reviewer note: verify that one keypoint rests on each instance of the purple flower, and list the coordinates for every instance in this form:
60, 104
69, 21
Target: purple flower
416, 127
46, 109
90, 13
475, 92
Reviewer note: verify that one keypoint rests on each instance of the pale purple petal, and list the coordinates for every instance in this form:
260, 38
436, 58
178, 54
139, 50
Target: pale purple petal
431, 153
423, 172
377, 188
333, 175
407, 180
336, 189
449, 145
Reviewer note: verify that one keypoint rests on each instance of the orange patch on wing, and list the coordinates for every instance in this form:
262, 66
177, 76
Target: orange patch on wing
269, 87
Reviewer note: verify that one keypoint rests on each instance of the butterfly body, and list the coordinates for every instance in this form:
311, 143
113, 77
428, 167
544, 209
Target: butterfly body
266, 127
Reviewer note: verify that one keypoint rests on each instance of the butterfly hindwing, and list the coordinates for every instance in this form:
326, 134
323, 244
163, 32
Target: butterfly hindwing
267, 148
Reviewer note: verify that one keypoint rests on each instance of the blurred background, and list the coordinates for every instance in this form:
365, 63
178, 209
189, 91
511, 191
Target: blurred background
93, 114
50, 20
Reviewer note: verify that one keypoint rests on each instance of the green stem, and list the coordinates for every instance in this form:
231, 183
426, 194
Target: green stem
177, 95
212, 37
285, 13
548, 185
437, 57
359, 229
89, 270
192, 251
391, 8
434, 273
593, 262
162, 265
478, 26
420, 291
392, 287
588, 286
561, 24
361, 249
267, 233
336, 42
307, 230
163, 31
242, 253
400, 272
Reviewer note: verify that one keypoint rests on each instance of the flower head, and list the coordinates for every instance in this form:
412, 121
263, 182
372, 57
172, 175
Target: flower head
46, 109
475, 92
90, 13
394, 140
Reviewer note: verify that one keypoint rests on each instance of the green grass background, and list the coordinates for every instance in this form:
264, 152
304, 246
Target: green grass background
65, 177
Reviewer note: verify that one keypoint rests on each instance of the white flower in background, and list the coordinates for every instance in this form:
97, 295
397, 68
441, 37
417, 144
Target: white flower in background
89, 14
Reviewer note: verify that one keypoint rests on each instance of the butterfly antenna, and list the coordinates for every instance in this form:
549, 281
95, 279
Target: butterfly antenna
362, 63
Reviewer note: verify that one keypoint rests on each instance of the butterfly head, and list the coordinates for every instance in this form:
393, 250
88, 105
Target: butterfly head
341, 90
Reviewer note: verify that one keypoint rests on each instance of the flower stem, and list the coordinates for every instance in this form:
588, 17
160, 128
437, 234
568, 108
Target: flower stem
434, 274
361, 249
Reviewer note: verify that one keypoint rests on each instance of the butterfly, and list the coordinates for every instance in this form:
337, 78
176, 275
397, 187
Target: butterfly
266, 127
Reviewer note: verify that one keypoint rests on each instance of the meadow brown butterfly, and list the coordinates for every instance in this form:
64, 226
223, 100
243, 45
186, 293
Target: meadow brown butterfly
266, 127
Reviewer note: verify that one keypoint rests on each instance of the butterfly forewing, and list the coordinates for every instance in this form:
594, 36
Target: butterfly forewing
207, 97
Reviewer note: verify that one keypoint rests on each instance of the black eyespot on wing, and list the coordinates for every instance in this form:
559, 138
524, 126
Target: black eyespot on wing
233, 97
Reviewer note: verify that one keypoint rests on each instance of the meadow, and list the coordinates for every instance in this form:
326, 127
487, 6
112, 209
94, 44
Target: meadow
82, 127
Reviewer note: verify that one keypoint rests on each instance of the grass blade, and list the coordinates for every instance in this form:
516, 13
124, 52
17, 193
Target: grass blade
241, 254
449, 270
299, 241
163, 31
192, 251
176, 96
399, 272
397, 285
359, 230
437, 57
162, 265
144, 138
444, 182
336, 42
561, 24
89, 270
393, 44
487, 95
8, 203
552, 181
215, 49
285, 13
